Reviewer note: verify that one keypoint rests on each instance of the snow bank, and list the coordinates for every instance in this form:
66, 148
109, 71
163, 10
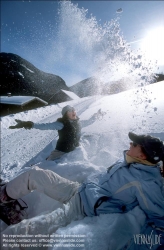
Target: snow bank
103, 140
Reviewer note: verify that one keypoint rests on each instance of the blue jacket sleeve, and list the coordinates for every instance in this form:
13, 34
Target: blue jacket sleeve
85, 123
49, 126
151, 200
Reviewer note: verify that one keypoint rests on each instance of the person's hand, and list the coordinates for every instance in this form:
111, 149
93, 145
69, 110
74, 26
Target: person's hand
22, 124
98, 115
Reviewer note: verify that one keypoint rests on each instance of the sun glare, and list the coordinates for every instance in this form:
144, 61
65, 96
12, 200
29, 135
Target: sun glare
153, 45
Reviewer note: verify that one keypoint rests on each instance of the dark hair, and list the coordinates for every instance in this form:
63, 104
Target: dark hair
65, 117
144, 152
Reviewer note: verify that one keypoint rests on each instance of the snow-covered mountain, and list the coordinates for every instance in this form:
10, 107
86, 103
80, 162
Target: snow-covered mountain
20, 77
102, 142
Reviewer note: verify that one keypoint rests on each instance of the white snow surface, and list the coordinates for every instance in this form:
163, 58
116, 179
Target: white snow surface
70, 94
138, 110
19, 100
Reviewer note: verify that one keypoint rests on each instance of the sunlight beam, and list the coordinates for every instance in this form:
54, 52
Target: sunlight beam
153, 45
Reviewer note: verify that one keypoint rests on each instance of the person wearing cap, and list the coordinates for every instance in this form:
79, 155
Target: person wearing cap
132, 181
69, 131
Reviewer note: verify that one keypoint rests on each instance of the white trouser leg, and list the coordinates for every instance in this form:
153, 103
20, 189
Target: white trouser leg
45, 181
49, 223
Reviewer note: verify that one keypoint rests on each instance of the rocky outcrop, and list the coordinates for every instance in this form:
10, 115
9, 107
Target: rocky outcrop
20, 77
159, 77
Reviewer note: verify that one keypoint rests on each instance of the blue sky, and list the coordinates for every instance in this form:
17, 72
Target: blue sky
31, 29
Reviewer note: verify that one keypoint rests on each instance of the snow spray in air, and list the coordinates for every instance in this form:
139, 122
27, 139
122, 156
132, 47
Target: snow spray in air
98, 50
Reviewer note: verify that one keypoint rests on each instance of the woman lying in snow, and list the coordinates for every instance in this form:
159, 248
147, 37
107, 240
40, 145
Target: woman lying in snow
69, 130
135, 181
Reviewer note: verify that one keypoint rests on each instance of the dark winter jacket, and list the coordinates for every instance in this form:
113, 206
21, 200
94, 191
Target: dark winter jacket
69, 135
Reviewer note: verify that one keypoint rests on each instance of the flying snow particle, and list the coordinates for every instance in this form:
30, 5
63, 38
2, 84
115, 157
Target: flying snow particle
119, 10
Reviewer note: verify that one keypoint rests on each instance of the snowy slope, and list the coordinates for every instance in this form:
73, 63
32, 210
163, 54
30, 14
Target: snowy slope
139, 110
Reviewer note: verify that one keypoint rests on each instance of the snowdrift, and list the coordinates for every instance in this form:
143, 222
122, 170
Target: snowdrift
138, 110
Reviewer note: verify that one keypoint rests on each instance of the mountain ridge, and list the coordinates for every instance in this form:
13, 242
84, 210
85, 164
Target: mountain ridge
20, 77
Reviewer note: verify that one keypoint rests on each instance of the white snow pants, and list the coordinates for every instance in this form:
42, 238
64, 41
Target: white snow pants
45, 181
56, 187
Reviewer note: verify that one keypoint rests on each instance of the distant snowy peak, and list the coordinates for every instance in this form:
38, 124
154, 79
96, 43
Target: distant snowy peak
93, 86
88, 87
20, 77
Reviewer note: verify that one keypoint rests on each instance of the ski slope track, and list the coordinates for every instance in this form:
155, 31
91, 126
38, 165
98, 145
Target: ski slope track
140, 110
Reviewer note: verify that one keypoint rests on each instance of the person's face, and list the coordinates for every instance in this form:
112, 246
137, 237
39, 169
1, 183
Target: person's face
135, 150
71, 114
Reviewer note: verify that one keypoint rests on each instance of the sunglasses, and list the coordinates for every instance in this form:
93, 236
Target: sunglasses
134, 144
